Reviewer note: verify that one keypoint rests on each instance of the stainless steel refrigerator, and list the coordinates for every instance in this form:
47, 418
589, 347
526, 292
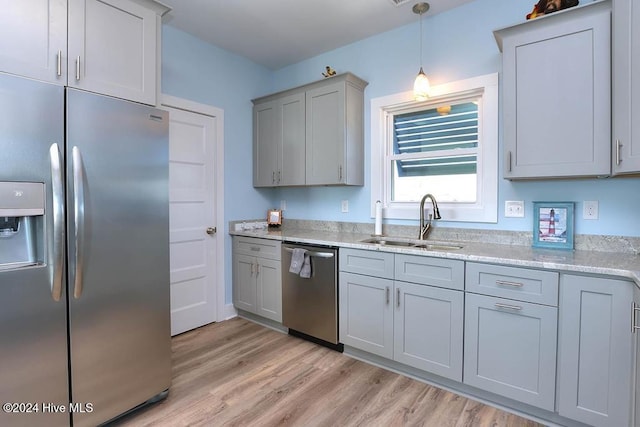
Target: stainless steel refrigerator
84, 255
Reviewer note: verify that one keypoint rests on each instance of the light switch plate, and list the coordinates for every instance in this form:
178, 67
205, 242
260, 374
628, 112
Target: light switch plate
345, 206
514, 209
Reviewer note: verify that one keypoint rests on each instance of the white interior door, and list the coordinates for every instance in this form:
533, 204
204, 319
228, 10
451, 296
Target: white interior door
193, 219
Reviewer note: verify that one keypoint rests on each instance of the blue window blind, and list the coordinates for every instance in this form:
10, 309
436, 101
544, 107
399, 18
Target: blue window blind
430, 132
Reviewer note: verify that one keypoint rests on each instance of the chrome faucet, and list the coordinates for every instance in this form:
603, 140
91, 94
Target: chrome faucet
426, 228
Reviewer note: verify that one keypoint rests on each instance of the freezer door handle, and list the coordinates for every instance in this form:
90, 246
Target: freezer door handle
78, 219
58, 222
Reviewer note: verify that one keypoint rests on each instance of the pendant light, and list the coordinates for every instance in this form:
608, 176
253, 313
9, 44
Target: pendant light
421, 85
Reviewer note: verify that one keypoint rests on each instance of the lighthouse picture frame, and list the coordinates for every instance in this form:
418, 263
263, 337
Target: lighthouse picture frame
553, 224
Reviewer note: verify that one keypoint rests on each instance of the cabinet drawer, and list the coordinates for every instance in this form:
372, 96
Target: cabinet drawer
446, 273
513, 282
264, 248
370, 263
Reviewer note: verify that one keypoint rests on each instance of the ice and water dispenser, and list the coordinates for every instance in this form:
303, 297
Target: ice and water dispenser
21, 224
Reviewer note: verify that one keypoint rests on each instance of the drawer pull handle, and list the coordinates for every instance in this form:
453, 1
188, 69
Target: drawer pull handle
255, 248
512, 284
508, 307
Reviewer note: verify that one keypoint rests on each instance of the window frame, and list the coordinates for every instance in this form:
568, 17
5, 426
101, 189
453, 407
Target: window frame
485, 209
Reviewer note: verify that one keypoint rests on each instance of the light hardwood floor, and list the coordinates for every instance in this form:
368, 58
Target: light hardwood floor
237, 373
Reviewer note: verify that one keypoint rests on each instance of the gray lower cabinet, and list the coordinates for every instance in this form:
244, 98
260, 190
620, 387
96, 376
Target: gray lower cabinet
366, 313
510, 332
510, 349
427, 332
412, 323
257, 277
597, 353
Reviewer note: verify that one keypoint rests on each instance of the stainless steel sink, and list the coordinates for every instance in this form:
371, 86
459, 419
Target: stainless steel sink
412, 243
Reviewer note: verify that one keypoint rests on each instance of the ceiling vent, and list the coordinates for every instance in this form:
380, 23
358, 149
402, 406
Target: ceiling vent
399, 2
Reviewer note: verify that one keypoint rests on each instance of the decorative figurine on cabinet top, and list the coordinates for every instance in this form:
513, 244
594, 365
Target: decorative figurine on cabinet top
545, 7
330, 72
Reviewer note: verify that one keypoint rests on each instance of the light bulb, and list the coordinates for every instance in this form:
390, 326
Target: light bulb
421, 87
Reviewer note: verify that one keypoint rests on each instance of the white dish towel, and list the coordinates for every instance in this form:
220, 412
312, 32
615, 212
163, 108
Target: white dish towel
297, 259
305, 271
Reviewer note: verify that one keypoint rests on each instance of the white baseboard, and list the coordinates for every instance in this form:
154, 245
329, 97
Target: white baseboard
229, 312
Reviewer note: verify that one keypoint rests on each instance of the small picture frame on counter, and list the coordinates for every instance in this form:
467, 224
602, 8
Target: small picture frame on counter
274, 217
553, 225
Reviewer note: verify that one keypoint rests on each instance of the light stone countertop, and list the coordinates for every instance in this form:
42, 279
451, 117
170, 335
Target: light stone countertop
619, 264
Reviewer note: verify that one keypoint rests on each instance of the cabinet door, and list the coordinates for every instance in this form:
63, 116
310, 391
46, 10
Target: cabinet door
510, 349
291, 162
113, 49
33, 39
269, 289
325, 135
366, 313
428, 323
595, 365
244, 282
557, 95
626, 94
265, 144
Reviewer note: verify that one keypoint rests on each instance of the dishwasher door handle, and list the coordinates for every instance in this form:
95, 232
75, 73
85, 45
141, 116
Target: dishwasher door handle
314, 253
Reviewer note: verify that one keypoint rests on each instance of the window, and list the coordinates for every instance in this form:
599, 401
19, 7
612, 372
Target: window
446, 146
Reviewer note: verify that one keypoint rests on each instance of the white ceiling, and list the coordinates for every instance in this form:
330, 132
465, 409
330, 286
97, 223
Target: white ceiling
277, 33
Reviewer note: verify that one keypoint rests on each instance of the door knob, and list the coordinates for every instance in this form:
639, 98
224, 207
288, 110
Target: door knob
211, 230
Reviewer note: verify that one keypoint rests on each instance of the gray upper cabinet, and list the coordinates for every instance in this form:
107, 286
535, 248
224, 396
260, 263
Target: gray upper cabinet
278, 142
557, 94
596, 383
335, 132
310, 135
626, 95
33, 39
113, 47
108, 46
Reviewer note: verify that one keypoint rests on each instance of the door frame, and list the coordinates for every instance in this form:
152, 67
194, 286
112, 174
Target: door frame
218, 114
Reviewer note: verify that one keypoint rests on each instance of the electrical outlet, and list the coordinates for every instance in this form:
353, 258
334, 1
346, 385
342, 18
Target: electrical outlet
283, 205
590, 209
514, 209
345, 206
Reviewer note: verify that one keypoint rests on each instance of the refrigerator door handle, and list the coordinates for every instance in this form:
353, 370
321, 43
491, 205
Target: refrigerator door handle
58, 221
78, 219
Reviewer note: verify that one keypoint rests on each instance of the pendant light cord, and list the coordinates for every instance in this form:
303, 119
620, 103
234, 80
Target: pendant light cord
421, 41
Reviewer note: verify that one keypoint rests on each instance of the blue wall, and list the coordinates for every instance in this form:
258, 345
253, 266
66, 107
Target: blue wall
457, 44
200, 72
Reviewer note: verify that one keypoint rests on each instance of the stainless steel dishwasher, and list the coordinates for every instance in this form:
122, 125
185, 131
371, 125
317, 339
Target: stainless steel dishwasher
310, 305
